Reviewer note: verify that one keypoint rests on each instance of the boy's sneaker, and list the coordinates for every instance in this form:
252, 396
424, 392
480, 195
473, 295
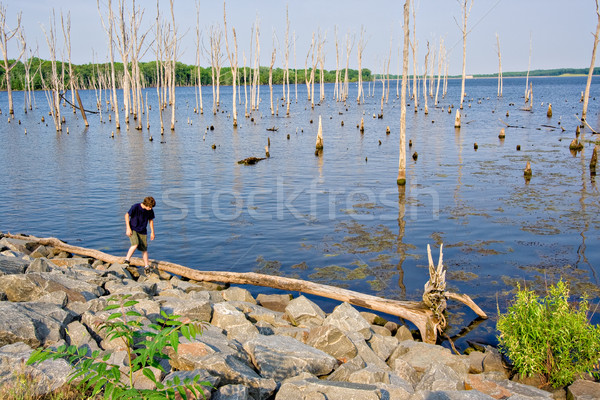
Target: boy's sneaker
147, 269
127, 263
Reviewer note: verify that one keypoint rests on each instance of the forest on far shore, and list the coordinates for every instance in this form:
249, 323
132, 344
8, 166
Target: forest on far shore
93, 76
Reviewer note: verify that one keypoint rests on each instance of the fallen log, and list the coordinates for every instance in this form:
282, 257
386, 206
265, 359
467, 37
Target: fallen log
416, 312
251, 160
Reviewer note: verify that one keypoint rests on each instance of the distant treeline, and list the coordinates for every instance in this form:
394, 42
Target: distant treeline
544, 72
89, 76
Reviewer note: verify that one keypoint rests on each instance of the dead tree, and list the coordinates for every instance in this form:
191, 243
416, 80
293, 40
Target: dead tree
216, 59
6, 35
401, 180
307, 77
109, 31
586, 96
273, 56
199, 72
466, 6
174, 65
66, 29
499, 66
232, 62
53, 91
414, 44
349, 46
426, 109
528, 69
439, 78
361, 47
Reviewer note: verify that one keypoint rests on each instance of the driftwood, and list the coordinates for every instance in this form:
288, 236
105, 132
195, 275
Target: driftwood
251, 160
273, 129
416, 312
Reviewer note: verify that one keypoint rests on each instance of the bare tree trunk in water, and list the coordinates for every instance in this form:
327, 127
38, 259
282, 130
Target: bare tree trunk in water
586, 96
499, 66
466, 11
401, 180
5, 36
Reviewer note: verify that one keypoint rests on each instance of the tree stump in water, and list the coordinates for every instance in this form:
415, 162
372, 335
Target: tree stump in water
251, 160
549, 112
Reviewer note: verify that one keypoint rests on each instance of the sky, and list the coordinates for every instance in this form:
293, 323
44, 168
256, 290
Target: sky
557, 33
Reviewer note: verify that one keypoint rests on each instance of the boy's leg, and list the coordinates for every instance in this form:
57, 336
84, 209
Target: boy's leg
145, 258
130, 252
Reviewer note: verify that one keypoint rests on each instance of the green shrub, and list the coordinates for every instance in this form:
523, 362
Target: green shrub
145, 349
548, 336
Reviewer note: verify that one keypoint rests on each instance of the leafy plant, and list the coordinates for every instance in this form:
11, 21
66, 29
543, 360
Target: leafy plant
548, 336
145, 349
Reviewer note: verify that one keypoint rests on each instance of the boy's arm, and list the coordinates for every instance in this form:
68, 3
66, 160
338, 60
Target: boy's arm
151, 229
127, 226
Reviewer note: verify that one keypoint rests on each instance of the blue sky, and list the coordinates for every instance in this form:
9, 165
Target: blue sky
561, 32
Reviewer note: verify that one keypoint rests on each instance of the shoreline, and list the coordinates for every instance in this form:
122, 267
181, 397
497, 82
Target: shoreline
268, 347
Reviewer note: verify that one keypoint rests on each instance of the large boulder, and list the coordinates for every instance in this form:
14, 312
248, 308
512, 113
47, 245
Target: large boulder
313, 388
275, 302
203, 375
440, 377
303, 312
281, 357
191, 353
332, 341
583, 390
235, 293
29, 287
12, 265
419, 356
32, 323
504, 388
231, 370
43, 378
229, 318
347, 319
78, 335
196, 310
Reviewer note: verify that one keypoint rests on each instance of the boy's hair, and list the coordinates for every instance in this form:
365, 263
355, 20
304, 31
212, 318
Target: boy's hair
149, 202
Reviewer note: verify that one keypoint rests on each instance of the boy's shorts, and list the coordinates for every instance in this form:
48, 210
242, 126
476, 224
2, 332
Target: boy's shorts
139, 240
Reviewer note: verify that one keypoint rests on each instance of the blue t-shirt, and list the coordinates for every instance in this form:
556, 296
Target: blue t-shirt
138, 218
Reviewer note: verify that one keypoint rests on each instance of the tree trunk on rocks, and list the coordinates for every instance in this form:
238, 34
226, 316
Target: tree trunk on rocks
416, 312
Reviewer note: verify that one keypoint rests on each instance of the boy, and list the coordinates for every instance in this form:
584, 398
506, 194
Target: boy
136, 220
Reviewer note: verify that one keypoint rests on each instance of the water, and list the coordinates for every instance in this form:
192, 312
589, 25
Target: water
339, 218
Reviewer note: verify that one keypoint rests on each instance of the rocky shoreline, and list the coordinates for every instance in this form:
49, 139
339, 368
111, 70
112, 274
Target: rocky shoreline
268, 347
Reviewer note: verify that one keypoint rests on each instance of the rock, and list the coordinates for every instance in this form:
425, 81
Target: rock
120, 271
373, 318
197, 310
369, 375
40, 251
332, 341
395, 391
348, 319
440, 377
58, 298
419, 356
403, 370
583, 390
365, 351
403, 333
70, 261
78, 335
303, 312
451, 395
344, 371
476, 362
142, 382
238, 294
383, 346
281, 357
382, 331
43, 377
485, 383
137, 290
191, 352
492, 362
312, 388
393, 328
204, 377
231, 370
34, 324
12, 265
256, 313
40, 265
232, 320
275, 302
300, 334
16, 245
231, 392
28, 287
